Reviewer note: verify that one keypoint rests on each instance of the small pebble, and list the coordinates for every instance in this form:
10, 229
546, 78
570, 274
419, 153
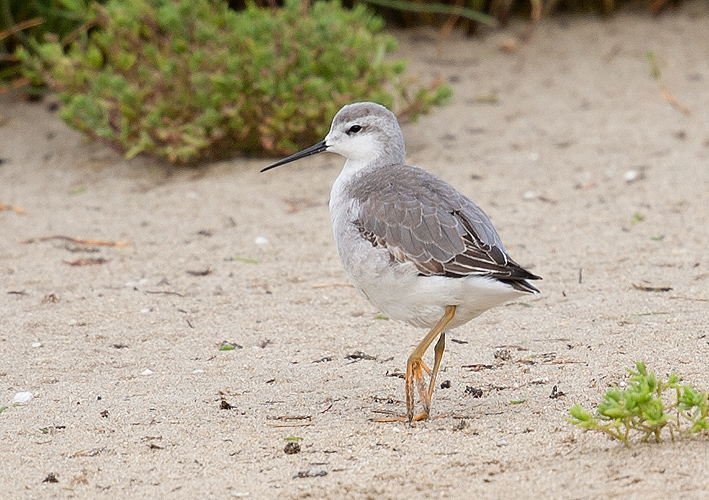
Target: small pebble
198, 370
147, 371
631, 176
51, 478
291, 448
36, 344
529, 195
261, 240
473, 391
147, 309
502, 354
22, 397
540, 381
133, 284
508, 45
502, 442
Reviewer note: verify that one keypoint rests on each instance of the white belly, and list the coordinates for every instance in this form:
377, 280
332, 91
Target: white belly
402, 294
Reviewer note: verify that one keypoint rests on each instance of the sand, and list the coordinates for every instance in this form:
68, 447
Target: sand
594, 179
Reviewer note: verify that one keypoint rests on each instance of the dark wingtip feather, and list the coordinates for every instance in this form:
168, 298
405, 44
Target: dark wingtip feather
519, 277
522, 286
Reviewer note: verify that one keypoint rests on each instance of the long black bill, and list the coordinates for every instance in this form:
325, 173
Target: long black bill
312, 150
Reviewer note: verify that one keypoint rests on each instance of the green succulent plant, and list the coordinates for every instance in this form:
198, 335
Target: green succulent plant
641, 410
192, 80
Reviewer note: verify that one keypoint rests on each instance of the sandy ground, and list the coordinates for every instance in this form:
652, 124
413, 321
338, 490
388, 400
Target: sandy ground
594, 180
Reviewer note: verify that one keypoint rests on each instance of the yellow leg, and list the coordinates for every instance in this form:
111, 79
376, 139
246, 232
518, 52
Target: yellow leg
440, 347
415, 367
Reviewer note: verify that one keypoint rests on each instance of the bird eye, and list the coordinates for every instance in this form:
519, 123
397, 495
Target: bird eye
354, 129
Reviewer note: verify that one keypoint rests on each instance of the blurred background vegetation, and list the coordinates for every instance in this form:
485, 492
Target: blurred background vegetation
192, 80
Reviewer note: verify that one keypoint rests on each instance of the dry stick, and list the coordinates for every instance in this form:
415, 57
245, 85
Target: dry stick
29, 23
14, 208
673, 100
666, 94
526, 36
87, 262
101, 17
647, 288
105, 243
694, 299
290, 417
657, 6
448, 27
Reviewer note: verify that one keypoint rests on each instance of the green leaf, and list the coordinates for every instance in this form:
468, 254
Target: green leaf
247, 260
73, 5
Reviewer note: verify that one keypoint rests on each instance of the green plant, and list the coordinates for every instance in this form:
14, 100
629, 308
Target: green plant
190, 80
23, 21
645, 409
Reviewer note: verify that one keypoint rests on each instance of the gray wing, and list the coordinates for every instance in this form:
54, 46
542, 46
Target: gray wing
421, 219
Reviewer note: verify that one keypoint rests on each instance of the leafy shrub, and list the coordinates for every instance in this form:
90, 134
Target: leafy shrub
191, 80
640, 409
22, 21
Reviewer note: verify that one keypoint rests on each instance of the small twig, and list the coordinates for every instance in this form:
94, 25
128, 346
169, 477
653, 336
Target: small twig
358, 355
101, 17
14, 208
480, 367
562, 361
673, 100
645, 288
87, 262
695, 299
297, 424
666, 94
448, 27
29, 23
81, 241
290, 417
164, 292
202, 272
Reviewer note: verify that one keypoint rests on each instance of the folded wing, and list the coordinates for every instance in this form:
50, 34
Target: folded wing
423, 220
